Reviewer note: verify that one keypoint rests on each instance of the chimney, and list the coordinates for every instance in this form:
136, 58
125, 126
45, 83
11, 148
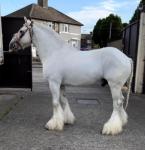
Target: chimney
43, 3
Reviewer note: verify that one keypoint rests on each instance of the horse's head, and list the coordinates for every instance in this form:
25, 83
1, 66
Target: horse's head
22, 38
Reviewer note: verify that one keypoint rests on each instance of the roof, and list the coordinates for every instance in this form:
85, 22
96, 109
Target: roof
35, 11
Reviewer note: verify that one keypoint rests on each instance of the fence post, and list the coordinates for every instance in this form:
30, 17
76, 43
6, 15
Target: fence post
140, 56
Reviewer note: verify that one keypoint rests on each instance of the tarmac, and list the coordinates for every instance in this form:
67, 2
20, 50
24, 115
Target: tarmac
23, 115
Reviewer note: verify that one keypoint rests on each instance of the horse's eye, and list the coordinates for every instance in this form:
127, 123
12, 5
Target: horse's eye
21, 31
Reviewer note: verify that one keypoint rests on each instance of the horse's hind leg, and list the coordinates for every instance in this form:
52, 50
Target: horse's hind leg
57, 120
123, 113
119, 117
68, 115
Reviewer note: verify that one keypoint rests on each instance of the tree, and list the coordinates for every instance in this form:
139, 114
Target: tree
107, 29
97, 32
125, 25
136, 14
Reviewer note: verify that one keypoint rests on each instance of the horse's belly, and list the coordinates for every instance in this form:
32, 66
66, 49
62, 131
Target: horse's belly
81, 78
79, 81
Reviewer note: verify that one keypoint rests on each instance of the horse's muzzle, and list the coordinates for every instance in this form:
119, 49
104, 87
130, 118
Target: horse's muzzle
1, 60
13, 46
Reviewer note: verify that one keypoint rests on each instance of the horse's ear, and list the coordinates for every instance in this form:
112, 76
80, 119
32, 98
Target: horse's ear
25, 19
31, 23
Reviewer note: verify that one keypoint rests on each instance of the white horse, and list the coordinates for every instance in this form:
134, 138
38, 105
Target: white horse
65, 65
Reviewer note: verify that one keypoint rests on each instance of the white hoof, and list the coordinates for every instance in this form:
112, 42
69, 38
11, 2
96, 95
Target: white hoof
55, 124
112, 127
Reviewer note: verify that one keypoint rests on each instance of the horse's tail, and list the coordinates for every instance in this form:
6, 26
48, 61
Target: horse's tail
129, 84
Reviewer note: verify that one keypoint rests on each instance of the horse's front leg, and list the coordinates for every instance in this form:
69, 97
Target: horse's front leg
57, 120
68, 115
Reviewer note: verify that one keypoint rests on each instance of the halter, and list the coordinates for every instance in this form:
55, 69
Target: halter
29, 28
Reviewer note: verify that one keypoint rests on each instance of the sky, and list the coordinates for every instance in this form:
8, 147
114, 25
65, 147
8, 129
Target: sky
85, 11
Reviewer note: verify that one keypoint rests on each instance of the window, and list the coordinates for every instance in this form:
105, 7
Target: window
74, 43
65, 28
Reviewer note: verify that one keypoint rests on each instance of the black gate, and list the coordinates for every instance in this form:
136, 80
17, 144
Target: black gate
130, 42
17, 69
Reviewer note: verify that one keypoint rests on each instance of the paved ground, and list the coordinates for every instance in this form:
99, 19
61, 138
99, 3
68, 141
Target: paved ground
22, 121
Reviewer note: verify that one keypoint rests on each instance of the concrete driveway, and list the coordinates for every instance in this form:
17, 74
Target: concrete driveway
22, 127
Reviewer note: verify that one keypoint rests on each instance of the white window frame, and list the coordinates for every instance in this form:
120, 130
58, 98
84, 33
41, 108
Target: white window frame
65, 28
74, 43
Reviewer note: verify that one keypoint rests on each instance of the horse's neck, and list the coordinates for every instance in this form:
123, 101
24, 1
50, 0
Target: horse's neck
47, 42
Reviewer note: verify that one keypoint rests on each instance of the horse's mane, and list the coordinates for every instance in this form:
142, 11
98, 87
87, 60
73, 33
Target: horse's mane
54, 34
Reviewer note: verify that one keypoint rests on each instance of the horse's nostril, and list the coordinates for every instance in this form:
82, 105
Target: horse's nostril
14, 46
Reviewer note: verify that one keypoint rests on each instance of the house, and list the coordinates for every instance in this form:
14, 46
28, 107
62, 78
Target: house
68, 28
86, 41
